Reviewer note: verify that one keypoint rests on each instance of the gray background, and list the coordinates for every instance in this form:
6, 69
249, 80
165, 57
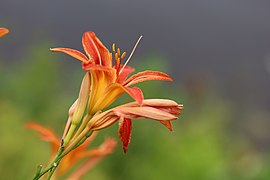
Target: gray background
226, 40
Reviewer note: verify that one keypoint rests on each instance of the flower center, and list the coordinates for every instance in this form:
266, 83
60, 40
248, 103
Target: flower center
118, 57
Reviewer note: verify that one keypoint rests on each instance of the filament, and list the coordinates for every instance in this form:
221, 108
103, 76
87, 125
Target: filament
133, 50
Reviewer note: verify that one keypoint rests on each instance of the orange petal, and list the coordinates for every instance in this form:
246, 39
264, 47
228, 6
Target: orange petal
90, 66
147, 112
94, 156
103, 90
46, 134
90, 47
168, 124
136, 93
3, 31
103, 123
95, 49
160, 103
165, 105
156, 103
72, 52
124, 132
84, 168
124, 74
146, 76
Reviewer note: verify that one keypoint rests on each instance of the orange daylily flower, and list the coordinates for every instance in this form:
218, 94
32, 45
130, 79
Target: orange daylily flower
3, 31
109, 81
162, 110
92, 156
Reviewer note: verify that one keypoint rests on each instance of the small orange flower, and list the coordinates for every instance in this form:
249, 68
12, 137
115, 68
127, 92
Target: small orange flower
162, 110
109, 81
92, 156
3, 31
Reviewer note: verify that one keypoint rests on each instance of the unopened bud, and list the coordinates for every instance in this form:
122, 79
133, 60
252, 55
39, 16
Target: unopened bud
82, 100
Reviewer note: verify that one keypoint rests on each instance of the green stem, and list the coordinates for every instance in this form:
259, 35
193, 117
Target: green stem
51, 172
74, 142
61, 153
83, 139
51, 167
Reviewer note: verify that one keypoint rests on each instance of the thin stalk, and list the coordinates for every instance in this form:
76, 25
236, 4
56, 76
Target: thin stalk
54, 163
75, 141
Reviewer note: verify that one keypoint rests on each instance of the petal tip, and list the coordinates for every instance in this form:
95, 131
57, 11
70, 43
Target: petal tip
125, 149
3, 31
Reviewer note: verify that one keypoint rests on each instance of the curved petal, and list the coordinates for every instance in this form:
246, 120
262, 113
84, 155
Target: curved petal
166, 105
90, 47
95, 49
136, 93
168, 124
93, 67
160, 103
103, 89
146, 112
124, 74
124, 132
104, 52
94, 156
46, 134
72, 52
147, 76
3, 31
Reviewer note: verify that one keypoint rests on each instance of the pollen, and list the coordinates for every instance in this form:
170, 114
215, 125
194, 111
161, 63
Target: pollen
113, 47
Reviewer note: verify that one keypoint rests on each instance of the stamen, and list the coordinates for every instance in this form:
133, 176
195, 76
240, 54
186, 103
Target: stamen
113, 47
123, 55
133, 50
116, 56
118, 62
111, 56
118, 51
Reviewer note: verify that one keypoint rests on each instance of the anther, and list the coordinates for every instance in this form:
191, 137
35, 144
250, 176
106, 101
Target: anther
119, 61
116, 56
117, 65
113, 47
123, 55
118, 51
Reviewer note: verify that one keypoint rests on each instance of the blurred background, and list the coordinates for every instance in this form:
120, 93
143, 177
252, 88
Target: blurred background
218, 53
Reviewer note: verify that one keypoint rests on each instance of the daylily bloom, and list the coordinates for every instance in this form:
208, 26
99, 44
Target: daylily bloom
162, 110
91, 157
109, 81
3, 31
